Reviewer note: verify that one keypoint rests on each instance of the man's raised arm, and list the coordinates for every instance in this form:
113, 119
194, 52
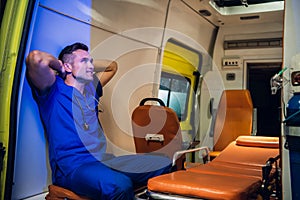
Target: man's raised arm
41, 68
105, 70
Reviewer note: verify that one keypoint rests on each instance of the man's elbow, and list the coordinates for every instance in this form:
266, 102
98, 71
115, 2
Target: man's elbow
114, 66
33, 59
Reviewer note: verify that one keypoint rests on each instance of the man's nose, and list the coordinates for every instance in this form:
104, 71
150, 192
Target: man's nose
90, 65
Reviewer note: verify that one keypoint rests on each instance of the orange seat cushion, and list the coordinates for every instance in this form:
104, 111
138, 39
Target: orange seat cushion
59, 193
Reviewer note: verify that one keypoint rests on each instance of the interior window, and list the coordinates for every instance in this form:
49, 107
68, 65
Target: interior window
174, 91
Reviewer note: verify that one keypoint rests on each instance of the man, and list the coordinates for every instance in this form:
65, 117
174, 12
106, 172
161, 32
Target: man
67, 96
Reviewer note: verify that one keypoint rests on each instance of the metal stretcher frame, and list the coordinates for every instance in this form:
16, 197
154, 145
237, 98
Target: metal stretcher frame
235, 174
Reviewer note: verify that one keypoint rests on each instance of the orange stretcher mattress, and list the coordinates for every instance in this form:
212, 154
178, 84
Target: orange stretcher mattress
235, 174
225, 169
207, 186
243, 151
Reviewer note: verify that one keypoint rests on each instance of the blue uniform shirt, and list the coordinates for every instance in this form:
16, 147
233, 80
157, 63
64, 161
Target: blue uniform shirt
72, 127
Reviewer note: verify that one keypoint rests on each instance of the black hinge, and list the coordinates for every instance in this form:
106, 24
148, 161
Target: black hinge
2, 153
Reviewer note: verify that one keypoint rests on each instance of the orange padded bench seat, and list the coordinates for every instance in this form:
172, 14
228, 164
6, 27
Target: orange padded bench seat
207, 186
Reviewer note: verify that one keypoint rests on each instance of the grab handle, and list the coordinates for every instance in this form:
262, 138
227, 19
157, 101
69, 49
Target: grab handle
152, 99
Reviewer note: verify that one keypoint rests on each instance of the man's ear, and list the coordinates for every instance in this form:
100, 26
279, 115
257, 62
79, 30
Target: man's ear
68, 67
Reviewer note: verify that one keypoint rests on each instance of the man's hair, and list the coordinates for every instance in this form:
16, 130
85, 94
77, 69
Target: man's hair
66, 54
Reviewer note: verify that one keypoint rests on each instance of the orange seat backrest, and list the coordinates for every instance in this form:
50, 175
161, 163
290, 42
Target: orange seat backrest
234, 117
160, 120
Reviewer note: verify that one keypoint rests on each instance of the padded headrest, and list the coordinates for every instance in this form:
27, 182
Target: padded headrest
258, 141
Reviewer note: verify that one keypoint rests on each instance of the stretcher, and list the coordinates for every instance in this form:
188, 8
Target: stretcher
235, 174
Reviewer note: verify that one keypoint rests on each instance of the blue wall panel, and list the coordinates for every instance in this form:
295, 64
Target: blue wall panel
51, 32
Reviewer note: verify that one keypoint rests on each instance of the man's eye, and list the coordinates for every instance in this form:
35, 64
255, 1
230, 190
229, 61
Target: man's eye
84, 60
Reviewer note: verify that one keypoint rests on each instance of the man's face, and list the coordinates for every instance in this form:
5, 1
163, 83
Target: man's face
82, 66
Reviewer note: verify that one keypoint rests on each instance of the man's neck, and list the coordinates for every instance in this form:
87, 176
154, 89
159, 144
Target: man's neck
76, 84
